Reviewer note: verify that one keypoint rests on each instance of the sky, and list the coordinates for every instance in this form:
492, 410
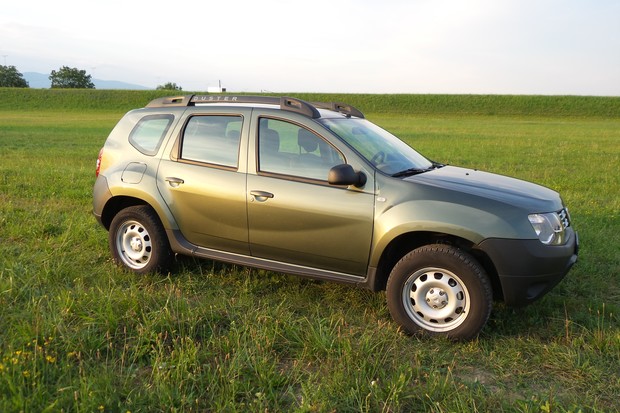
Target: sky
541, 47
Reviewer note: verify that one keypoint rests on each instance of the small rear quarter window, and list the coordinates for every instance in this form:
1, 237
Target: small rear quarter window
149, 132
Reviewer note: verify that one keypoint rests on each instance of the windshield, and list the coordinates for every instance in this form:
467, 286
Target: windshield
385, 151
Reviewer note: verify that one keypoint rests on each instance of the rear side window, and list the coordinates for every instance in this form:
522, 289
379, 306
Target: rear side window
212, 139
149, 132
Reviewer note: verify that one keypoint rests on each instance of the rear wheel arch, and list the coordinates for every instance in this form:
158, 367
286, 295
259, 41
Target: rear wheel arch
117, 204
120, 202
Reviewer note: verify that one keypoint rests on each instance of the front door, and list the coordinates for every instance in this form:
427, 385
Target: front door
294, 214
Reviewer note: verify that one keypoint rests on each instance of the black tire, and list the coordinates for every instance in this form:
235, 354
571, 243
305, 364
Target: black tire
138, 240
440, 290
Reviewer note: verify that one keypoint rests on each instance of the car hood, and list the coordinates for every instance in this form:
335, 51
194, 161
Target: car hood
512, 191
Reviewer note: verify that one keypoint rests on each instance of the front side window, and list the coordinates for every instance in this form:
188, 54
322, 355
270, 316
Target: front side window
212, 139
289, 149
149, 132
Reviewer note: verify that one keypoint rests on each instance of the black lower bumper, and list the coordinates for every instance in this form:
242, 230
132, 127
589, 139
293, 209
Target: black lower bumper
528, 269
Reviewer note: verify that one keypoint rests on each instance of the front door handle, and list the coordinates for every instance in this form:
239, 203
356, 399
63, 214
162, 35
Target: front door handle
174, 182
261, 196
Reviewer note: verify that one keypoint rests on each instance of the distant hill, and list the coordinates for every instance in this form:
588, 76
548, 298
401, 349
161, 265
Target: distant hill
41, 81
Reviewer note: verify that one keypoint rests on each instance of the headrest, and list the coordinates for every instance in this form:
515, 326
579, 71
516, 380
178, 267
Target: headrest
307, 140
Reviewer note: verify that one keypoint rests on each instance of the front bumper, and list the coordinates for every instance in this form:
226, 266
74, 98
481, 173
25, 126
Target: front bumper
528, 269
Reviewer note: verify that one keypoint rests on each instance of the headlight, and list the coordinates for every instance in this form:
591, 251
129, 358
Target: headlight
549, 228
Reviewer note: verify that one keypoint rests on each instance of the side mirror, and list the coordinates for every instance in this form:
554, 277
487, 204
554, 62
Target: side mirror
345, 175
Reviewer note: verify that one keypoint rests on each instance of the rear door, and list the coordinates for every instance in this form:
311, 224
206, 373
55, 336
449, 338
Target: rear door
203, 181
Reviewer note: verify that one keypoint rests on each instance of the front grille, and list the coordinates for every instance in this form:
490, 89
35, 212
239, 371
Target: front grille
564, 217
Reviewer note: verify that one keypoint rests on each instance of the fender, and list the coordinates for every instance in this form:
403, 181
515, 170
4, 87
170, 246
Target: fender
450, 218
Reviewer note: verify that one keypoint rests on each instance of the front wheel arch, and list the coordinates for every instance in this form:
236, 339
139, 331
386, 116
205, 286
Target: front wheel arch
405, 243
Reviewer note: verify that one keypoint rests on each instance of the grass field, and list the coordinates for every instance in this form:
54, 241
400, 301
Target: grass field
79, 334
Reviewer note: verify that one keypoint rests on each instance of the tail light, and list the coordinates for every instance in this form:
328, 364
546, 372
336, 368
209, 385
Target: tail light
99, 162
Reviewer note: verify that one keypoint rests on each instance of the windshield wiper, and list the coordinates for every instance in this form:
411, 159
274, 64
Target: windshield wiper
410, 171
415, 171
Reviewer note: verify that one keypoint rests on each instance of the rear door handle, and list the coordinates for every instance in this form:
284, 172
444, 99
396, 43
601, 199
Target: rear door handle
261, 196
173, 181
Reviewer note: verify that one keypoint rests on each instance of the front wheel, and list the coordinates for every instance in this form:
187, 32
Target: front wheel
138, 240
440, 290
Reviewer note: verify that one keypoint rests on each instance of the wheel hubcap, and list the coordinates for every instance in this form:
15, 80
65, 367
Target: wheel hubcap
136, 244
436, 299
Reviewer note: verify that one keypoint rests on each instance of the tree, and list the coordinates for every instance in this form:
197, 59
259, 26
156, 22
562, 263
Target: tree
71, 78
10, 77
169, 86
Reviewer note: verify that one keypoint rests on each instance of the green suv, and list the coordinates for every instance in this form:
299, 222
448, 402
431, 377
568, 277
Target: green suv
316, 190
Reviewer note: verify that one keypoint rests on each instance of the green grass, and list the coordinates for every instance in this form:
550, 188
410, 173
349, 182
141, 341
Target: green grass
79, 334
72, 100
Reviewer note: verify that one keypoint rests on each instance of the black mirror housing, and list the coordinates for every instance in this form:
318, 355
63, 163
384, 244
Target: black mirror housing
345, 175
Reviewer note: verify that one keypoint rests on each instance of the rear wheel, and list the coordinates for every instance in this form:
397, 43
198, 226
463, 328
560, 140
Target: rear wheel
138, 240
440, 290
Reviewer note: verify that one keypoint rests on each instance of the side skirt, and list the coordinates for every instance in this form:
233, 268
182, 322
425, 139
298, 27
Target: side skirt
180, 245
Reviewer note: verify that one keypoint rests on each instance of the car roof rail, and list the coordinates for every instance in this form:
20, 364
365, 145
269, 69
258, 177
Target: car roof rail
285, 103
170, 101
340, 108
